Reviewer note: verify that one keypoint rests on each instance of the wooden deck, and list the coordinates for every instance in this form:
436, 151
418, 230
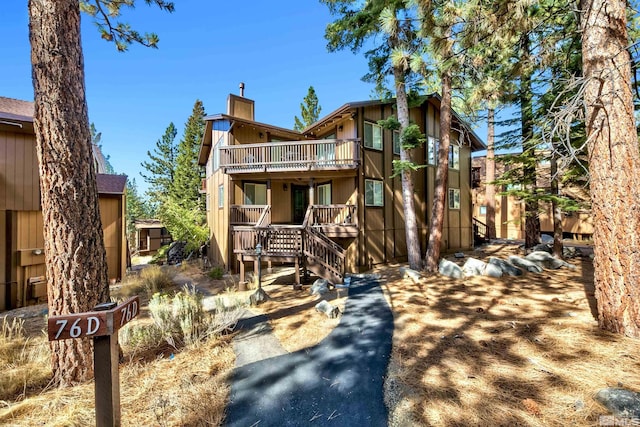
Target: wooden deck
292, 156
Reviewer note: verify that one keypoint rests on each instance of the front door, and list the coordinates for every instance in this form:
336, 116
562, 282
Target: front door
300, 195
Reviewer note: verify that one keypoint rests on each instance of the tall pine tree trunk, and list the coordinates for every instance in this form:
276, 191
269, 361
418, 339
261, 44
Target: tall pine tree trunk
439, 196
411, 224
75, 258
614, 165
532, 220
490, 176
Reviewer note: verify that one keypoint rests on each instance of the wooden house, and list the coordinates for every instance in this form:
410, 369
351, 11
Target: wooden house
150, 236
324, 198
22, 270
510, 211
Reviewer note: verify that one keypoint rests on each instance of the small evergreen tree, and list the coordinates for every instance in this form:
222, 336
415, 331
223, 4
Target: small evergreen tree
162, 165
309, 110
185, 189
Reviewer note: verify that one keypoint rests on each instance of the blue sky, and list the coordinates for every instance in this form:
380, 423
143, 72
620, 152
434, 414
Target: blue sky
206, 49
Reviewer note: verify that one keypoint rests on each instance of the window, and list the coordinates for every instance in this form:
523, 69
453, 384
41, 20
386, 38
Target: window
216, 154
454, 198
324, 194
372, 136
432, 150
396, 142
255, 194
373, 192
483, 210
454, 157
221, 196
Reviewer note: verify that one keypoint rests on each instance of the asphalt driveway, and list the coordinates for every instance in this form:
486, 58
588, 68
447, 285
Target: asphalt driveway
338, 382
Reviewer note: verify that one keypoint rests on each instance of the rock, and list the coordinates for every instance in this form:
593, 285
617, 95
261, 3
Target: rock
319, 287
571, 252
328, 309
620, 402
505, 266
492, 270
542, 247
546, 239
459, 255
578, 405
544, 259
450, 269
473, 267
258, 297
530, 266
408, 273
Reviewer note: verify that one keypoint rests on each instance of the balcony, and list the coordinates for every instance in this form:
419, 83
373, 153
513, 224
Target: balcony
292, 156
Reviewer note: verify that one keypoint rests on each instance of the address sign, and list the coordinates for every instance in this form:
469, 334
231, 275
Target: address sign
92, 323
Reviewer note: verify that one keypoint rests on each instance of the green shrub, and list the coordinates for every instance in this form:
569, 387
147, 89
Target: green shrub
216, 273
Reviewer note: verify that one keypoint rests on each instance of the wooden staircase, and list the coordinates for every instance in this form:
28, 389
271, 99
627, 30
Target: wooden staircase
306, 245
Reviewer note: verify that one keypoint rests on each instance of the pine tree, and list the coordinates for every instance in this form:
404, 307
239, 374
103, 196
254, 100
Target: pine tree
162, 165
77, 279
185, 189
309, 110
389, 25
615, 166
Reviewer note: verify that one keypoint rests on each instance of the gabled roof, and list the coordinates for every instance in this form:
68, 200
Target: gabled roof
348, 109
111, 184
15, 109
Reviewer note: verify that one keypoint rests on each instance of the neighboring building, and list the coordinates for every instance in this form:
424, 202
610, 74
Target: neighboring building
510, 211
324, 197
22, 270
150, 236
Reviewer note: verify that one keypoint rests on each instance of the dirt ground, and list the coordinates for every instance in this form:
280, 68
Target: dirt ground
477, 351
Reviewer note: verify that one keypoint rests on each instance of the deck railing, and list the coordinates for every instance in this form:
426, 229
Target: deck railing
333, 215
323, 154
250, 214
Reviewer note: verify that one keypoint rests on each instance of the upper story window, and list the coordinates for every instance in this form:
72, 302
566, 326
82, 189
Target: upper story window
216, 155
454, 198
396, 142
454, 157
221, 196
373, 195
372, 136
432, 150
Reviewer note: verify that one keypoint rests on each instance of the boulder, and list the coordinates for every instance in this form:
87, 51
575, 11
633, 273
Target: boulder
571, 252
450, 269
542, 247
492, 270
325, 307
473, 267
408, 273
620, 402
505, 266
546, 239
530, 266
544, 259
319, 287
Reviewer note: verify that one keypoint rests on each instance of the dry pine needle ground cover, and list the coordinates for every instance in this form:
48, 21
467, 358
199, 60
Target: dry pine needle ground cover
479, 351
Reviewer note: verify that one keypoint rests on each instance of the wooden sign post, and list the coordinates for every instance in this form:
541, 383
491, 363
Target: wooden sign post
102, 325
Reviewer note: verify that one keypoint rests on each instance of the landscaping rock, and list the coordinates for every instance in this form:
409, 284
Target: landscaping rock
620, 402
544, 259
450, 269
530, 266
258, 297
505, 266
546, 239
319, 287
408, 273
325, 307
542, 247
459, 255
492, 270
473, 267
571, 252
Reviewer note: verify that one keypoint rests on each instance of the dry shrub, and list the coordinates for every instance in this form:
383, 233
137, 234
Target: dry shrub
25, 360
152, 279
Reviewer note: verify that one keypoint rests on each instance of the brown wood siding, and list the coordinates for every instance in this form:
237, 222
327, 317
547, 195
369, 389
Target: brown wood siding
4, 242
112, 226
19, 185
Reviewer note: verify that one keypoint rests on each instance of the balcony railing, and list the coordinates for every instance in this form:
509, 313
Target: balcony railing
256, 215
292, 156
